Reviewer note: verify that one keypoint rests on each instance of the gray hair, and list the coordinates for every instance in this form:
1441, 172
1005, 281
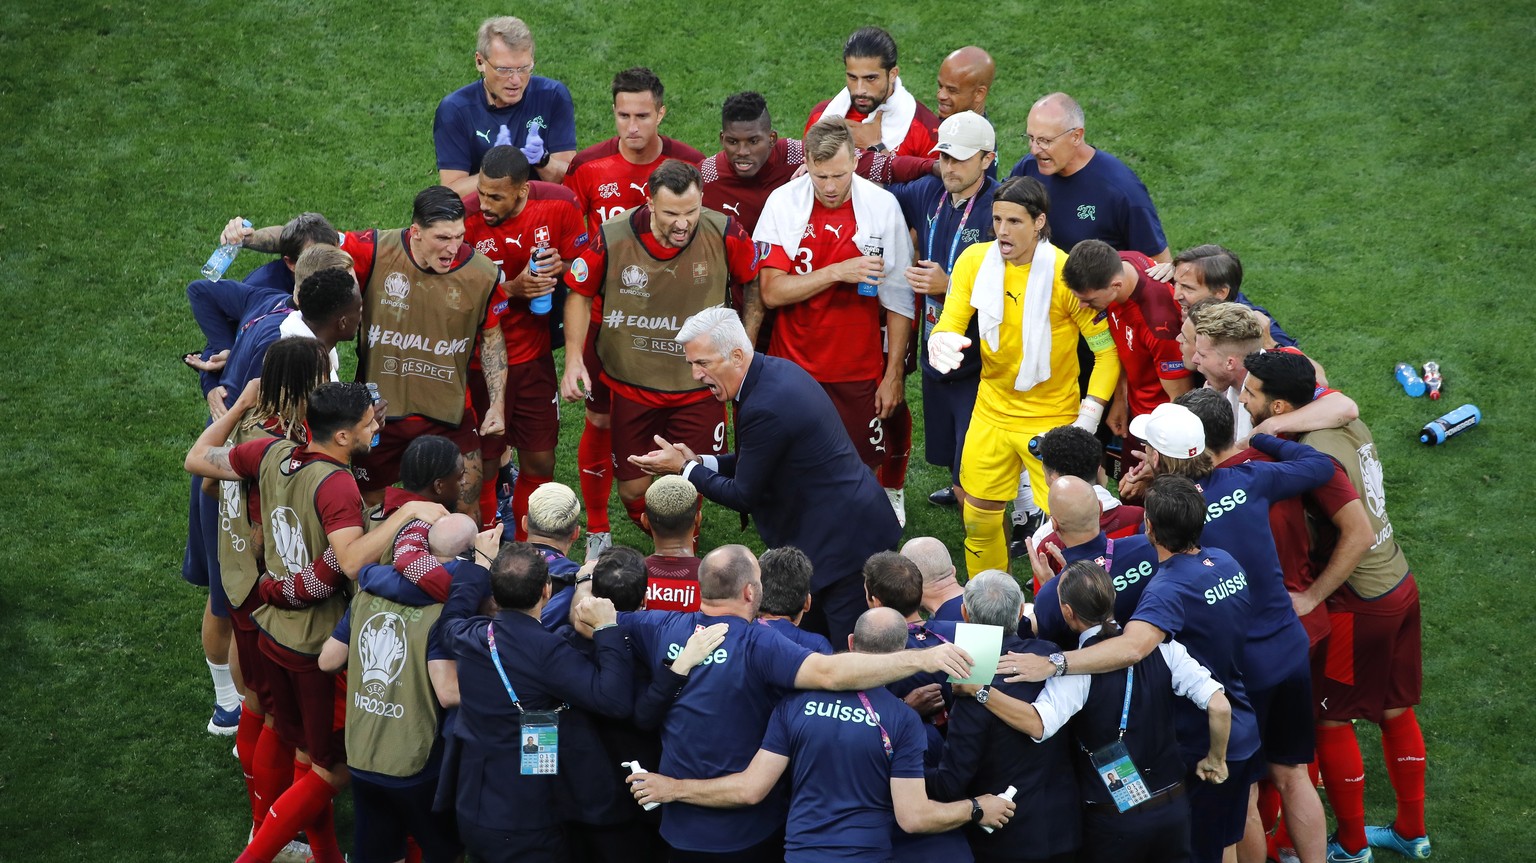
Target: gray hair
511, 31
1071, 111
722, 325
994, 598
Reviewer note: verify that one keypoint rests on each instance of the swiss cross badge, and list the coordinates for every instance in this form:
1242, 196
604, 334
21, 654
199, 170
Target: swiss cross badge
541, 234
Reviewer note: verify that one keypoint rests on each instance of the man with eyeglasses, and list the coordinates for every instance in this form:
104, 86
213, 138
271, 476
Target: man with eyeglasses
1094, 196
509, 105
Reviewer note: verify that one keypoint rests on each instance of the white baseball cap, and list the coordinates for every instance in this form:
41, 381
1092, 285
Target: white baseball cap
965, 134
1172, 430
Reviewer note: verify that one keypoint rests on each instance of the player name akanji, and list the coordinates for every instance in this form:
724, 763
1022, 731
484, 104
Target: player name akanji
684, 595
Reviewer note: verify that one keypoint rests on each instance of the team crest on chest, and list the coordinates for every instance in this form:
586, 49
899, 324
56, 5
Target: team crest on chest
486, 246
454, 297
541, 235
700, 272
608, 190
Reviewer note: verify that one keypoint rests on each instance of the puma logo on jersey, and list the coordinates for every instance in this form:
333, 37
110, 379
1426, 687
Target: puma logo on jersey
486, 135
1014, 297
732, 207
836, 231
516, 241
637, 188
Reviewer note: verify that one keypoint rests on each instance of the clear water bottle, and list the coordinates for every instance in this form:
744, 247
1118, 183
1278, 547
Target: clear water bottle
373, 393
1448, 426
1406, 375
874, 247
1432, 379
539, 305
222, 257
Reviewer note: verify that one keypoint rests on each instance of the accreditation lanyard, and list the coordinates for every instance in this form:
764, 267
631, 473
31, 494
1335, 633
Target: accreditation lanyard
920, 632
1125, 711
954, 243
885, 738
490, 639
1108, 562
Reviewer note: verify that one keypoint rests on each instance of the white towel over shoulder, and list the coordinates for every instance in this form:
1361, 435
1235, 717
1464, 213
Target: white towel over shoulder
788, 210
987, 300
895, 118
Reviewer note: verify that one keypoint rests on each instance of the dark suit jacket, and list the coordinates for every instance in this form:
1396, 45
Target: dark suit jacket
797, 474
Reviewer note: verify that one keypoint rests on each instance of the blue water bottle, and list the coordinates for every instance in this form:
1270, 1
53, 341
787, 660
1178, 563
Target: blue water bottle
1408, 376
222, 257
874, 247
539, 305
373, 393
1454, 423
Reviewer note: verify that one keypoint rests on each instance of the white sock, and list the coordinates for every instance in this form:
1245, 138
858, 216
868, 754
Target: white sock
224, 692
1024, 505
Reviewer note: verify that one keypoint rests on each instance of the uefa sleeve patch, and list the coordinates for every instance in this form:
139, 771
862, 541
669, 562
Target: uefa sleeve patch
1170, 367
579, 270
1100, 341
581, 241
499, 309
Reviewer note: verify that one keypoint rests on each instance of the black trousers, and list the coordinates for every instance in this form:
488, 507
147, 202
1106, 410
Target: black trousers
1157, 836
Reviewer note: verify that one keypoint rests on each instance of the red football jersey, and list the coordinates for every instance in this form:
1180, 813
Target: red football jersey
1147, 357
550, 217
834, 335
743, 197
360, 245
672, 583
606, 184
590, 269
922, 134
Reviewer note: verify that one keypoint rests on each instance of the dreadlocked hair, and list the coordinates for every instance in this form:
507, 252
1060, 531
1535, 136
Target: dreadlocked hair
292, 369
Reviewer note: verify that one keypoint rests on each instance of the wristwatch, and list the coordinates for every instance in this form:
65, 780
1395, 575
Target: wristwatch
1060, 661
983, 694
976, 812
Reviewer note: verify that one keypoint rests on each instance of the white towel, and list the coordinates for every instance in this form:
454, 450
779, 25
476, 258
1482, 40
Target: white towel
895, 120
1035, 322
877, 214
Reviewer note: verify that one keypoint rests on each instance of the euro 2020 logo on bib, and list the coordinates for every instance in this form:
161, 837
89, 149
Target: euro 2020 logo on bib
288, 536
382, 647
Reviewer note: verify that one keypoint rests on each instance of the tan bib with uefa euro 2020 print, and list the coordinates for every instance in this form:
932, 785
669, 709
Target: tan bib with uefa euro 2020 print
392, 711
419, 330
295, 537
1383, 565
238, 569
646, 300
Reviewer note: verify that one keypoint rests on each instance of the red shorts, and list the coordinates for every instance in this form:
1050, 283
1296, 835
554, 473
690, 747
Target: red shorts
1372, 660
533, 409
381, 466
309, 708
254, 665
700, 425
599, 398
855, 403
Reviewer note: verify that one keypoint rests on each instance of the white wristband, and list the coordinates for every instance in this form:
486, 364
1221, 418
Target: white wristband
1089, 414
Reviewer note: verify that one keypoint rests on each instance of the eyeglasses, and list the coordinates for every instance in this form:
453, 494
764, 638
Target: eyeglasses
513, 71
1042, 143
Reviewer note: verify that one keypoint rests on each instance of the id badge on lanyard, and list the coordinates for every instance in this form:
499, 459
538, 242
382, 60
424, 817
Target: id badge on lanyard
1113, 764
538, 731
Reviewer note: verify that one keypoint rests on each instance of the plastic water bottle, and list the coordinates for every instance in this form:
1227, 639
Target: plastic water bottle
1006, 795
1448, 426
373, 393
634, 767
539, 305
1432, 379
222, 257
1413, 385
874, 247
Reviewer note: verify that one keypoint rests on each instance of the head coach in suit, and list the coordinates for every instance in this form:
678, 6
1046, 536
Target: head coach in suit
794, 470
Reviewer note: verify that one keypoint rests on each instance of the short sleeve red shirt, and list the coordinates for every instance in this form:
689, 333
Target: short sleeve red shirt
606, 184
589, 271
338, 501
834, 335
920, 134
362, 244
550, 217
1148, 357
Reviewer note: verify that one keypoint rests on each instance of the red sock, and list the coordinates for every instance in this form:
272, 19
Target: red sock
594, 456
271, 771
289, 814
1403, 745
1338, 759
898, 447
635, 509
321, 833
300, 769
412, 851
1269, 804
523, 489
488, 502
247, 735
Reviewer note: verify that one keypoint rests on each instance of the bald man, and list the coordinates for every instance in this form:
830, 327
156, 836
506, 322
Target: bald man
1130, 561
942, 594
1094, 196
965, 77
